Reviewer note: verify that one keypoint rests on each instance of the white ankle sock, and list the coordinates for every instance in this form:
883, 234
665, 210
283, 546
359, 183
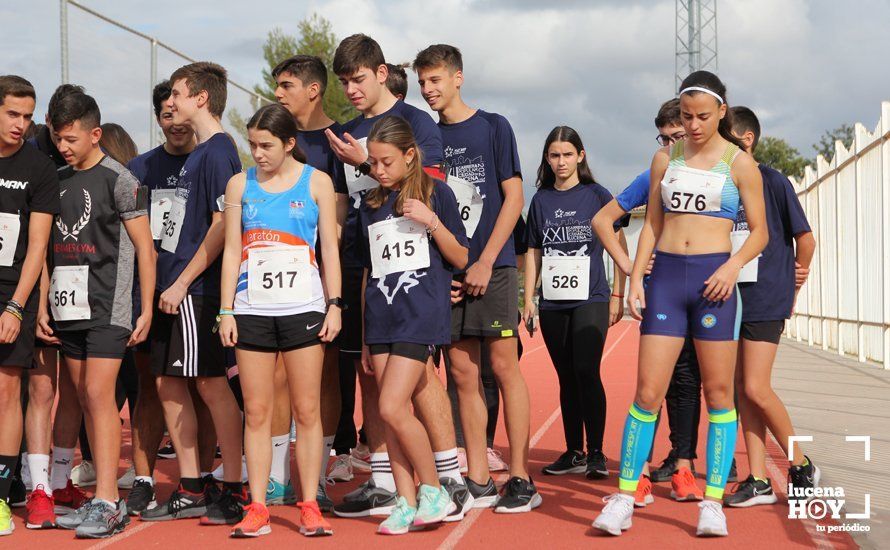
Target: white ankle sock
447, 465
62, 465
39, 468
280, 471
381, 472
325, 457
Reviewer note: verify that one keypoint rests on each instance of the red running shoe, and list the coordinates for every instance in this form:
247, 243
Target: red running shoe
41, 510
683, 487
69, 499
255, 522
643, 495
311, 522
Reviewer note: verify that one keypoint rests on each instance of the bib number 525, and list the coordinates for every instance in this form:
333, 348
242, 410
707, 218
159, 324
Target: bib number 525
681, 200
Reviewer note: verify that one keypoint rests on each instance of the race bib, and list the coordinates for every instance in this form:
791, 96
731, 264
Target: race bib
279, 275
748, 274
69, 297
161, 203
10, 224
357, 182
172, 227
397, 245
690, 190
469, 203
565, 277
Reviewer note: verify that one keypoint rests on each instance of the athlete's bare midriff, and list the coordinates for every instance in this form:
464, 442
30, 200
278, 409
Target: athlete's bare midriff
694, 234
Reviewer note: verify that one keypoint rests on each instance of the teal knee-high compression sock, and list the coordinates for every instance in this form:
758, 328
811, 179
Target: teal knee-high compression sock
639, 430
722, 431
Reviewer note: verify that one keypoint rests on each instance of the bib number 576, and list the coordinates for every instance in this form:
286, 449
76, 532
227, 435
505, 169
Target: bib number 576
681, 200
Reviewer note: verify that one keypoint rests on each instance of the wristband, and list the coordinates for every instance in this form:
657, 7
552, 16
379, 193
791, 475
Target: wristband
618, 296
226, 311
433, 230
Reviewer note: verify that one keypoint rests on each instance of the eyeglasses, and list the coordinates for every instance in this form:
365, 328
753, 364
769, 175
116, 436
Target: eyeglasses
665, 140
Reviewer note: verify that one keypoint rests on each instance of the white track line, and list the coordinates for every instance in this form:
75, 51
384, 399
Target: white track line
467, 523
142, 526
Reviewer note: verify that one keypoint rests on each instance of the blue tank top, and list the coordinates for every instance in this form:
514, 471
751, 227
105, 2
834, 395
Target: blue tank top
690, 200
288, 218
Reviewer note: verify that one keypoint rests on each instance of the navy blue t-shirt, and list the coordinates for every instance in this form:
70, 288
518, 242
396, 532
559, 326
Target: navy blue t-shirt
559, 225
428, 138
202, 183
411, 306
636, 194
319, 155
482, 150
772, 296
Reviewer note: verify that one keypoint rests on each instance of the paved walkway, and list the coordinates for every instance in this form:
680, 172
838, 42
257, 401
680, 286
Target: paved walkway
831, 397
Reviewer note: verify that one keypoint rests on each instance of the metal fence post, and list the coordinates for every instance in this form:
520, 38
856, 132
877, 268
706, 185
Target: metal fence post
152, 133
63, 35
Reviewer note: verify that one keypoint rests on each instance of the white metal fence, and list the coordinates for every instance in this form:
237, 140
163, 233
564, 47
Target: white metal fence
845, 305
122, 72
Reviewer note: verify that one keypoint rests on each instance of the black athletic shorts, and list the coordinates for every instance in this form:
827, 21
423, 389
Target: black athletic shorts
20, 352
416, 352
762, 331
185, 344
350, 338
105, 342
492, 314
284, 333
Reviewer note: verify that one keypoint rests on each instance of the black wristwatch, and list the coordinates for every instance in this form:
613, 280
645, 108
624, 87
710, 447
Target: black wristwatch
364, 168
338, 302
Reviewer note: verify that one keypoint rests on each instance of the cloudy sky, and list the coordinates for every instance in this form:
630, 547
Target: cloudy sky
601, 66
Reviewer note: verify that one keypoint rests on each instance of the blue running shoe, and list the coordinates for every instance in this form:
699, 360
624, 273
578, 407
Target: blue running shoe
278, 494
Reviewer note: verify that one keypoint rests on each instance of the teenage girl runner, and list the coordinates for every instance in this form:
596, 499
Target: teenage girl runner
412, 238
693, 201
575, 294
273, 303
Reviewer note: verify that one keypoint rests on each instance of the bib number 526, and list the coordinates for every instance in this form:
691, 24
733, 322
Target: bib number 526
565, 281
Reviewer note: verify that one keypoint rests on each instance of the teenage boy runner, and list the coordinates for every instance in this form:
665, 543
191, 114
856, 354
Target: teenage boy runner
29, 198
361, 68
183, 346
482, 163
101, 230
302, 81
768, 296
158, 170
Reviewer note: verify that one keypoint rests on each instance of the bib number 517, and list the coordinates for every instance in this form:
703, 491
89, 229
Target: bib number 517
277, 279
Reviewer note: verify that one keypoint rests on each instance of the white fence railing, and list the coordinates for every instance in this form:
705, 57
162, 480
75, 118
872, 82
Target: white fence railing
845, 305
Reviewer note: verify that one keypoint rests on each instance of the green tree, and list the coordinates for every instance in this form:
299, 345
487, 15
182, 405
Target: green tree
825, 147
777, 153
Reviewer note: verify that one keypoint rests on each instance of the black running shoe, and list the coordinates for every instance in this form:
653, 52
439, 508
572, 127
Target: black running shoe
227, 509
570, 462
167, 451
211, 488
103, 521
484, 496
371, 501
181, 505
596, 465
18, 493
141, 497
519, 496
801, 478
666, 470
460, 496
751, 492
733, 473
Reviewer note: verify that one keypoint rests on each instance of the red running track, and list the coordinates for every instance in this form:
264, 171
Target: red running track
562, 521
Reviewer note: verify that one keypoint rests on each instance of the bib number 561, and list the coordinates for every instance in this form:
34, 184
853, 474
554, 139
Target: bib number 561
64, 298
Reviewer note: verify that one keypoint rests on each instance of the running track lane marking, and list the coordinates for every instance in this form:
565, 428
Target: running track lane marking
464, 527
143, 525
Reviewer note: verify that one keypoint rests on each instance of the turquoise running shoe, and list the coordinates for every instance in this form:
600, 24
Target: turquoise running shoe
400, 519
433, 505
279, 494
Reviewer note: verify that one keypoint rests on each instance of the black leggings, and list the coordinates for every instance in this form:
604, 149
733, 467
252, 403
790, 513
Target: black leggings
575, 338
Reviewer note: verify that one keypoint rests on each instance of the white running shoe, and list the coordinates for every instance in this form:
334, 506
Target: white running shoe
126, 481
341, 469
711, 520
84, 474
616, 515
496, 461
218, 473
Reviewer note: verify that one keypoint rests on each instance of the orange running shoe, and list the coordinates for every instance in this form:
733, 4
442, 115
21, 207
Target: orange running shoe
41, 510
68, 499
683, 487
643, 495
311, 522
255, 522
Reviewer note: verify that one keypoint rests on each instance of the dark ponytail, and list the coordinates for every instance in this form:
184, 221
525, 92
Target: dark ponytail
278, 121
709, 81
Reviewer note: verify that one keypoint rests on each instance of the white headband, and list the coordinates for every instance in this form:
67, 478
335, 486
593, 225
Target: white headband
704, 90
